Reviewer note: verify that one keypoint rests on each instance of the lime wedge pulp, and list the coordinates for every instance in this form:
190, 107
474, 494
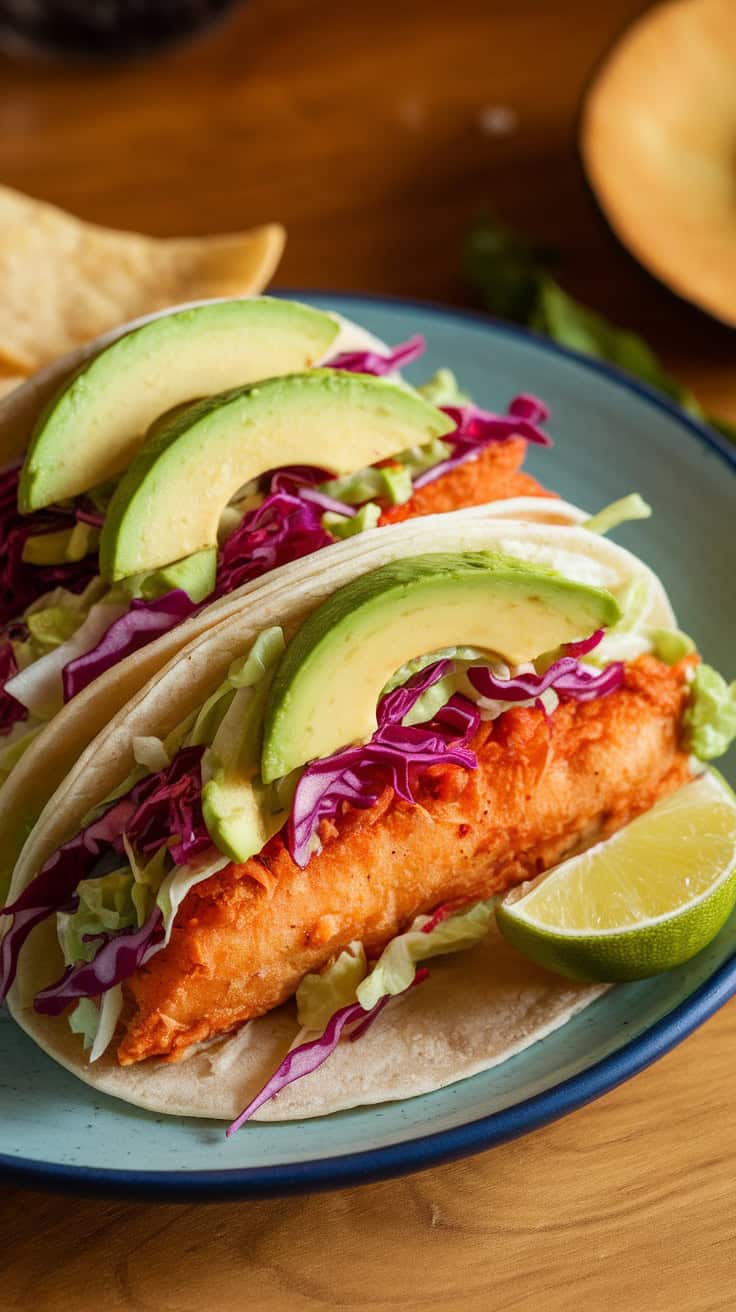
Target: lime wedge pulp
642, 901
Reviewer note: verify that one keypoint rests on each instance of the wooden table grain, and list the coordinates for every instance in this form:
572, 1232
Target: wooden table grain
377, 133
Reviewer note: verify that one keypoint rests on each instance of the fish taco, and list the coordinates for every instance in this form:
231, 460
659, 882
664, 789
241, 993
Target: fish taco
268, 887
170, 465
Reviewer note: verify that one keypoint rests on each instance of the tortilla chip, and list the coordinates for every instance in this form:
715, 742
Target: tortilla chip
63, 281
9, 382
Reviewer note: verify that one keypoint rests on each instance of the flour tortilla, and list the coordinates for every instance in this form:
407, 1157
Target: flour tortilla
64, 281
489, 1002
475, 1011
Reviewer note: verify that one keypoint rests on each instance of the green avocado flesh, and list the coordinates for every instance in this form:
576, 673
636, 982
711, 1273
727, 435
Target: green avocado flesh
234, 806
328, 683
196, 575
93, 427
169, 503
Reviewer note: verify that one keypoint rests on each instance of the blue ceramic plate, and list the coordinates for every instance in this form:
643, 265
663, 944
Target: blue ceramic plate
613, 437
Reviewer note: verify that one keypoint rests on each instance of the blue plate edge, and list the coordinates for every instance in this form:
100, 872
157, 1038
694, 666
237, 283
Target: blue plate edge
702, 430
411, 1156
475, 1136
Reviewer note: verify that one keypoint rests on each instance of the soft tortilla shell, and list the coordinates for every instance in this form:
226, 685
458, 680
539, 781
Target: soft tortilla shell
475, 1030
475, 1011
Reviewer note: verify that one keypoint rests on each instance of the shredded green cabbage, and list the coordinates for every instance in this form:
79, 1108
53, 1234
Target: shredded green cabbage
96, 1024
54, 618
443, 389
105, 906
618, 512
244, 672
628, 638
418, 458
319, 996
350, 979
85, 1020
147, 879
67, 544
178, 883
392, 483
50, 628
395, 968
342, 526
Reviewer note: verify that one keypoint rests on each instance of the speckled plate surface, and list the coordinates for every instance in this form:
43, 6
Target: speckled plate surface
613, 436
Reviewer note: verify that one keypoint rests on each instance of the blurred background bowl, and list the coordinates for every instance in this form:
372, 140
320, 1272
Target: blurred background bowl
109, 29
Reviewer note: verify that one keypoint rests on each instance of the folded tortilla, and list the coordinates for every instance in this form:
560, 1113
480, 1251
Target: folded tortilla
477, 1009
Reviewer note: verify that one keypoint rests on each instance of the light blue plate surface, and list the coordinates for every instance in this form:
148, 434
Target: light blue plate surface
612, 437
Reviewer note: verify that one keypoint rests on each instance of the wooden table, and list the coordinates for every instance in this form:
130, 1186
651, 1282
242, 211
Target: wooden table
368, 130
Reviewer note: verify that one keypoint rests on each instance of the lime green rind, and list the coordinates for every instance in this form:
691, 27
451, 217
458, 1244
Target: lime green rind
657, 945
615, 958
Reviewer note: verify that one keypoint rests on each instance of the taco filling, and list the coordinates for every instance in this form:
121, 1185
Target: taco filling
339, 811
96, 566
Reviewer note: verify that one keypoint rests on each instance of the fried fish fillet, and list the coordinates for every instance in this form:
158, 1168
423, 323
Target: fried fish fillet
544, 787
494, 475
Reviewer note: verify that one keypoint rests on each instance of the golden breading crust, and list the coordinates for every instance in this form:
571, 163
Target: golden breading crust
494, 475
544, 786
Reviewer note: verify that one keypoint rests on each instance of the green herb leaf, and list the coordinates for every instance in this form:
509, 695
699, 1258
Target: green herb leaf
513, 276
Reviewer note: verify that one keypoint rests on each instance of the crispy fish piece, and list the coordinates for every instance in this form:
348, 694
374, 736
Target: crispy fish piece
544, 787
494, 475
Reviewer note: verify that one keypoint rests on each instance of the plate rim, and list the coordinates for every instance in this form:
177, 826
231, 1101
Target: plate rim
441, 1146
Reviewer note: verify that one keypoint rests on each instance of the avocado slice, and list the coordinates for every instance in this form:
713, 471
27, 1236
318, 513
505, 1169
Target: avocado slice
328, 683
238, 811
170, 501
65, 544
196, 575
90, 431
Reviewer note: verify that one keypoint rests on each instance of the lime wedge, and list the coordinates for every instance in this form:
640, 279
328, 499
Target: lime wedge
639, 903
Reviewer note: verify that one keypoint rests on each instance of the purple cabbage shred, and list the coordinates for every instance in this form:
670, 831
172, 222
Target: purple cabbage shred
283, 528
373, 362
395, 755
307, 1057
165, 803
569, 679
172, 808
21, 583
585, 645
118, 958
476, 429
11, 711
54, 887
142, 623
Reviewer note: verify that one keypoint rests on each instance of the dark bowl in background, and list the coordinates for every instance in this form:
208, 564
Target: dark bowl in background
102, 29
